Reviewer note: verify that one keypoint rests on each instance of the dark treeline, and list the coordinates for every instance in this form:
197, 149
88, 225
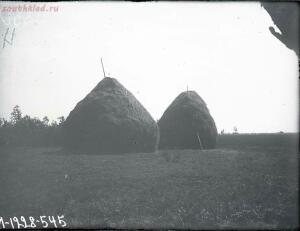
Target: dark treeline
22, 130
280, 139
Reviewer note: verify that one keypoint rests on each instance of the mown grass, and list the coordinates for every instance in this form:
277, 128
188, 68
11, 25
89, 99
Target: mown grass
190, 189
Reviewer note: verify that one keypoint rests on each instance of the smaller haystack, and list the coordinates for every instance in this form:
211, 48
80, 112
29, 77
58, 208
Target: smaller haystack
110, 120
187, 124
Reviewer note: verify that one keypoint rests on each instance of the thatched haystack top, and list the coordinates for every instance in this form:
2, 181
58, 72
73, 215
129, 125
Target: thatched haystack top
187, 99
110, 96
187, 124
110, 120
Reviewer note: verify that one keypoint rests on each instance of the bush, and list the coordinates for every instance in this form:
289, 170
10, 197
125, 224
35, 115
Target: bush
27, 131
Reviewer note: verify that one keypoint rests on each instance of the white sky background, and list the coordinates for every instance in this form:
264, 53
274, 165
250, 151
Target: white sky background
224, 51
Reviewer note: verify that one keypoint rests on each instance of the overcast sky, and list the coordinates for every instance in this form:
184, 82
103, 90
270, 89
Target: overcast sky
224, 51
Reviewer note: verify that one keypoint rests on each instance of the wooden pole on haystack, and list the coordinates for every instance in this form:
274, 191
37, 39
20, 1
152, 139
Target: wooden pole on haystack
199, 140
103, 68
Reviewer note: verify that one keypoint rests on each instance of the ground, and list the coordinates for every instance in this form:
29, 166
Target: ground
254, 187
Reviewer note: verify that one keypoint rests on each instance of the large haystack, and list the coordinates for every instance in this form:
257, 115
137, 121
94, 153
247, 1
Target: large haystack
187, 124
110, 120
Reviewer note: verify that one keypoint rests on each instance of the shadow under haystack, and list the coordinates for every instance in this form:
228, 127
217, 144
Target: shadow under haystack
110, 120
187, 124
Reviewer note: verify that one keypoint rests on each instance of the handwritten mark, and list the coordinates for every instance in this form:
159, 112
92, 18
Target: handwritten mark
11, 39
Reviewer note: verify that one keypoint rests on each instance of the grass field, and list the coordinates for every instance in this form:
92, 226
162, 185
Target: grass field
228, 187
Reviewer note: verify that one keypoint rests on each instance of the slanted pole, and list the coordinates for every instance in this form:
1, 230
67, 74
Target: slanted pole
199, 140
103, 68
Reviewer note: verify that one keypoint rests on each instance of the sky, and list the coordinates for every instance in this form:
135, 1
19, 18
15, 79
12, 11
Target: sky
222, 50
